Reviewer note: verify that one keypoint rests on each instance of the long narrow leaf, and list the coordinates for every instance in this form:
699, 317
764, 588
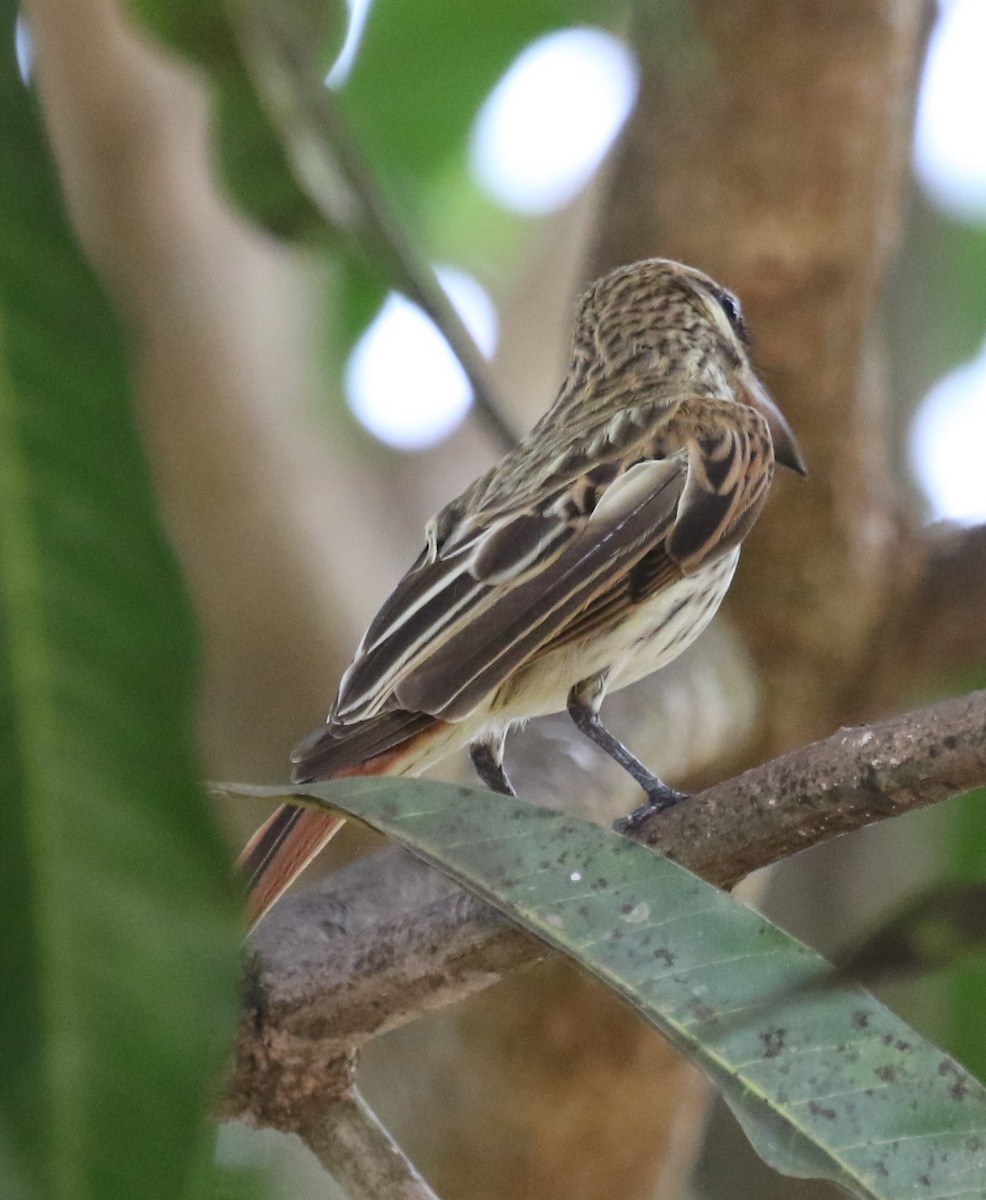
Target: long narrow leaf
832, 1085
117, 985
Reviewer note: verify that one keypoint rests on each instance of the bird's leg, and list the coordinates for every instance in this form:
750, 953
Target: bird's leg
584, 701
487, 758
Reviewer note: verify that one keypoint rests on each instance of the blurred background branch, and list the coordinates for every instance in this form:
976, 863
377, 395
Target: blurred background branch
330, 166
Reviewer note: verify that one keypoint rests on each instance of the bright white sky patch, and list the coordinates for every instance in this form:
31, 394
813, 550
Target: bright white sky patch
402, 381
950, 137
23, 48
358, 12
946, 442
547, 124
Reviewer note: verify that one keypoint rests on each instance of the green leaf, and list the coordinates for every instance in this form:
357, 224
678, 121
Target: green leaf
831, 1085
252, 158
117, 988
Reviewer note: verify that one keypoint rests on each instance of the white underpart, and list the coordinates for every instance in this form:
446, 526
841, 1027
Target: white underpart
654, 635
642, 644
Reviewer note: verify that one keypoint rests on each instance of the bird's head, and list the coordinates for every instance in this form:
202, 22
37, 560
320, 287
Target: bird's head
664, 319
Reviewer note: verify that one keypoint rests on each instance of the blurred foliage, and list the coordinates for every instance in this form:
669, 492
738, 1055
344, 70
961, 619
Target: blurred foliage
252, 160
422, 71
966, 832
121, 929
935, 301
413, 114
419, 122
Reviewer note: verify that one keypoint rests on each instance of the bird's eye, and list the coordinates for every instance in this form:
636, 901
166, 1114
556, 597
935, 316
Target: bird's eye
730, 306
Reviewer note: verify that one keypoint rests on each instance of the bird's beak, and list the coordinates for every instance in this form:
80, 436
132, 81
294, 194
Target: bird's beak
786, 449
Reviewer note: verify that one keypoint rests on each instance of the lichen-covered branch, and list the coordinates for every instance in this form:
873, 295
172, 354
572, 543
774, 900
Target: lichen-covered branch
853, 778
392, 939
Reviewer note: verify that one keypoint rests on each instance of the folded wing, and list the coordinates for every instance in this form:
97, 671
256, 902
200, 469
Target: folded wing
497, 586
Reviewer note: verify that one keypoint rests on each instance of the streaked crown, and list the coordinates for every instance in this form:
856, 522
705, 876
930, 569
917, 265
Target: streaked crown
659, 326
659, 314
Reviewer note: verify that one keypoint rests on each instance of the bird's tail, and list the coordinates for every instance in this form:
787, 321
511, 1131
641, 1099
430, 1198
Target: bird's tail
288, 841
280, 850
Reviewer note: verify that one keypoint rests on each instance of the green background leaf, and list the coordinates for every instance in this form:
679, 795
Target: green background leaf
968, 984
117, 993
460, 51
252, 161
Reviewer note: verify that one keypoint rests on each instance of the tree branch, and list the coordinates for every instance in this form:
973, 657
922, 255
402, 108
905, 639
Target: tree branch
854, 778
392, 939
356, 1150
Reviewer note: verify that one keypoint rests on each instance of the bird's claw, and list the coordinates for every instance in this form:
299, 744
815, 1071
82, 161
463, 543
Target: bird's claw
658, 799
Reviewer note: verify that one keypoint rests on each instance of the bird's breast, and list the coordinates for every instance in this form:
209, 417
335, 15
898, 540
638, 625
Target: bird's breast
666, 625
653, 634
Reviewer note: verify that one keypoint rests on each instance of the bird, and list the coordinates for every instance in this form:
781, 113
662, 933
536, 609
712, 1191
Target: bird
592, 554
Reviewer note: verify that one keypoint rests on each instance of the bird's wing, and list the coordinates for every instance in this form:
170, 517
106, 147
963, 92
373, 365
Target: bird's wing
731, 470
497, 584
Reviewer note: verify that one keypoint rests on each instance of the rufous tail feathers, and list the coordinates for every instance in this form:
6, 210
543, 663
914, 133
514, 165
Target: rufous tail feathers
289, 839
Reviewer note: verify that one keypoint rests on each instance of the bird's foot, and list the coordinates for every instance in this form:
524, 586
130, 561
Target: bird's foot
487, 758
659, 798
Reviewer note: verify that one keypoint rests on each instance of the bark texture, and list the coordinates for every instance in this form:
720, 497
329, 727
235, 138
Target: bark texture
769, 148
